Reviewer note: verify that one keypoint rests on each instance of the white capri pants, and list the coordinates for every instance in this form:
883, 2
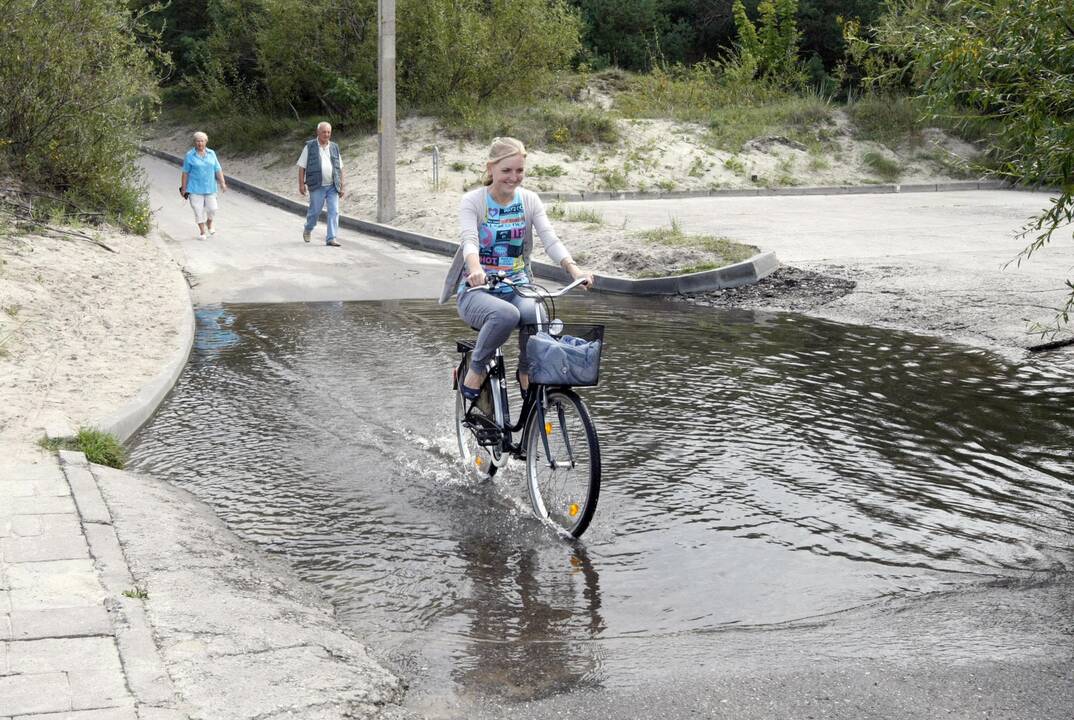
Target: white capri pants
204, 206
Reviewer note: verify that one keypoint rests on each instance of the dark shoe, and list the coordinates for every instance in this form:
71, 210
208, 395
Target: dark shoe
306, 235
333, 243
469, 393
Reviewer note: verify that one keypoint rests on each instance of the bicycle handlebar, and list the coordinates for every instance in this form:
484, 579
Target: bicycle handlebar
530, 291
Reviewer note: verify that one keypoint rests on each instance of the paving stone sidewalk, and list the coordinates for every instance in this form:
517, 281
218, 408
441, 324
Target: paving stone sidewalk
72, 646
123, 598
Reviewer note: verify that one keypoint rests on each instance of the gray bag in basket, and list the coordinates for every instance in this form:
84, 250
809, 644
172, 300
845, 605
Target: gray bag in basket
566, 361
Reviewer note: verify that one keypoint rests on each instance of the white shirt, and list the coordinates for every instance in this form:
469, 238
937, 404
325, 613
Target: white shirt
326, 162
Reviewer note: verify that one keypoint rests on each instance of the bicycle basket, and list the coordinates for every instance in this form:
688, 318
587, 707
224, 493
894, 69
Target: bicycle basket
564, 354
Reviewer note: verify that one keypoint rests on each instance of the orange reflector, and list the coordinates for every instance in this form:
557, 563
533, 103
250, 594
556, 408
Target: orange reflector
477, 461
573, 509
548, 428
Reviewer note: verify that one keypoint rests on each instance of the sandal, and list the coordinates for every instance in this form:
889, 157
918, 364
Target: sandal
469, 393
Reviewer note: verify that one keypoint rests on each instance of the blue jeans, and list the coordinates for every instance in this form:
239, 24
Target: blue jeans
495, 316
318, 196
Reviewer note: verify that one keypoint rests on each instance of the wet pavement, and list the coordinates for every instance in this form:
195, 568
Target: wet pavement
797, 516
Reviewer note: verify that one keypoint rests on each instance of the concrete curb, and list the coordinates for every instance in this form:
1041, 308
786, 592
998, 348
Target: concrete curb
123, 423
743, 273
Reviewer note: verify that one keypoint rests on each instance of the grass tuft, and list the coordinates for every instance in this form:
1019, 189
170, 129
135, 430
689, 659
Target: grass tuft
100, 448
727, 251
882, 167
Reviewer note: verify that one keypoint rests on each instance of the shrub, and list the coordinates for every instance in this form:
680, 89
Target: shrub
76, 87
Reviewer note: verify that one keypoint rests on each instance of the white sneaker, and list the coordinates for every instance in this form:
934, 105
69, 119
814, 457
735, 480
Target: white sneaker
212, 231
202, 237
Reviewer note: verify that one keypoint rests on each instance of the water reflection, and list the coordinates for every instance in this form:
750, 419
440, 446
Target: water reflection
759, 469
528, 638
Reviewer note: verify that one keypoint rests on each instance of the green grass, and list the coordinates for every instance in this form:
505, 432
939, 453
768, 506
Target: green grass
887, 119
611, 179
100, 448
883, 167
734, 164
727, 251
571, 214
553, 124
137, 593
549, 171
803, 119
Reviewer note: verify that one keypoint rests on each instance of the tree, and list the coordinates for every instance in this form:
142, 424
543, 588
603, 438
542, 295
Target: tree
775, 44
456, 54
75, 85
1011, 62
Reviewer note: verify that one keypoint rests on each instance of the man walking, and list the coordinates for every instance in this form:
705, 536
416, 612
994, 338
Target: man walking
321, 170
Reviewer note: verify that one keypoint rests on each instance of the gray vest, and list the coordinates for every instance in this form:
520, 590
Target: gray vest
313, 164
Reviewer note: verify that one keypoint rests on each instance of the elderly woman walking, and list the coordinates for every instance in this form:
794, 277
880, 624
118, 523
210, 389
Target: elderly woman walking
202, 175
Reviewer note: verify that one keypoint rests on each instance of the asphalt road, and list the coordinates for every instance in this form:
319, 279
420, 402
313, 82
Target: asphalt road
935, 262
258, 255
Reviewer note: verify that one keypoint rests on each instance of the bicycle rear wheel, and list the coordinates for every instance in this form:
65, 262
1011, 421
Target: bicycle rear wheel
479, 460
564, 479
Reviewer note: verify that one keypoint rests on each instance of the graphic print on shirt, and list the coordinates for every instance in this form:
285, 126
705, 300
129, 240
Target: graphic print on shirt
501, 237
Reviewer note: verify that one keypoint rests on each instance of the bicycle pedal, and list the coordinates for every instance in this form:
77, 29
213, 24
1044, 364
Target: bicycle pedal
488, 437
485, 431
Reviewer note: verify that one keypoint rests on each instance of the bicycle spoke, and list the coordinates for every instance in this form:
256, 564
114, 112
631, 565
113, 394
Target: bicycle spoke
563, 493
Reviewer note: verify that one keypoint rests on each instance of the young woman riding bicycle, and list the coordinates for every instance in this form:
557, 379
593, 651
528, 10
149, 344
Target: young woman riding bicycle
496, 226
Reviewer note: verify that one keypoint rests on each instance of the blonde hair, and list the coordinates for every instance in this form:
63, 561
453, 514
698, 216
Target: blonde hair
501, 149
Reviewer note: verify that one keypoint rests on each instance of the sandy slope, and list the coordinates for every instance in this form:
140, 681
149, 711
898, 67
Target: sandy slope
81, 329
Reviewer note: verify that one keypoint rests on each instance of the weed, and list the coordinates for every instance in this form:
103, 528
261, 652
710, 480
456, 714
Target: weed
556, 212
554, 123
734, 164
612, 179
697, 167
550, 171
883, 167
666, 185
727, 251
100, 448
887, 119
12, 310
817, 164
791, 116
137, 593
585, 215
458, 166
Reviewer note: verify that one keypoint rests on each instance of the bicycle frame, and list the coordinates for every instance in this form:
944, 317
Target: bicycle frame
496, 377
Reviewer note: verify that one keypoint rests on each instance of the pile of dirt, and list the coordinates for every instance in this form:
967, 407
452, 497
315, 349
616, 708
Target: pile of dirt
787, 288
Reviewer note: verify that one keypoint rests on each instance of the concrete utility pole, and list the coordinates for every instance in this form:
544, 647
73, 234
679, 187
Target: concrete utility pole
386, 110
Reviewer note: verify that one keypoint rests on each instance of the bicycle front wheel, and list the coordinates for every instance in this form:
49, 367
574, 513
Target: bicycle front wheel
477, 459
564, 474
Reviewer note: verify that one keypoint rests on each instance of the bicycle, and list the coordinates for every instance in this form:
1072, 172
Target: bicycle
563, 461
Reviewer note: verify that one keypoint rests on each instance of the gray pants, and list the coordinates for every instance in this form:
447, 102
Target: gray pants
495, 316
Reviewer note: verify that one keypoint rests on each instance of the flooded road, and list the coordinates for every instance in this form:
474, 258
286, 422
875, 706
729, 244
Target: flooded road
775, 487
